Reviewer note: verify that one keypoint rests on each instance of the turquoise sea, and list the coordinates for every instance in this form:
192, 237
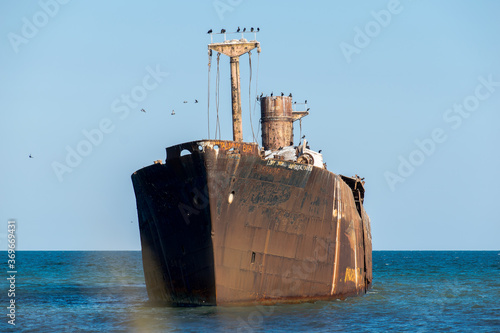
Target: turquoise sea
413, 291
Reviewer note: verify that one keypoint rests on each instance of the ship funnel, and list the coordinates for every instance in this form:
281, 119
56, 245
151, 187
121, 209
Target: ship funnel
277, 119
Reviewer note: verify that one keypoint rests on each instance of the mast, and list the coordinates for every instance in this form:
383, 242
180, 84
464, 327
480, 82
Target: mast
234, 49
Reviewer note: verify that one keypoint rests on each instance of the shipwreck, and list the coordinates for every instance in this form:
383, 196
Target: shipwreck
226, 222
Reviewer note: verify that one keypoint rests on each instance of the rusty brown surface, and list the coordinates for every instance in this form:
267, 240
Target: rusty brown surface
277, 119
236, 99
234, 48
224, 226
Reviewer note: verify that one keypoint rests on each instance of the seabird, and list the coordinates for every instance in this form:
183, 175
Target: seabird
244, 29
290, 95
305, 101
209, 31
308, 109
258, 29
271, 94
282, 94
319, 151
185, 102
251, 29
173, 112
223, 31
303, 136
143, 110
238, 29
196, 101
31, 156
294, 102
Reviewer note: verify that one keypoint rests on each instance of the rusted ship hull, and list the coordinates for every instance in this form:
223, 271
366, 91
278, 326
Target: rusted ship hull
224, 226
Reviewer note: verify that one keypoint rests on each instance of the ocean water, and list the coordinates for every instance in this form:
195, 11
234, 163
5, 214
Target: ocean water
413, 291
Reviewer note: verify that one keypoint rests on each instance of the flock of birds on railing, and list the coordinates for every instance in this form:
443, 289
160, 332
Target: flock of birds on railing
223, 31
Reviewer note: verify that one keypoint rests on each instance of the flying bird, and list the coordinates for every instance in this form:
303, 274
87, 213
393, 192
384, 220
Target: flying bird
142, 110
308, 109
238, 29
209, 31
196, 101
185, 102
173, 113
303, 136
31, 156
223, 31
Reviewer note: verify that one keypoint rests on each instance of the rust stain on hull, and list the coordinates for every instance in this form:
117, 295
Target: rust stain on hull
224, 226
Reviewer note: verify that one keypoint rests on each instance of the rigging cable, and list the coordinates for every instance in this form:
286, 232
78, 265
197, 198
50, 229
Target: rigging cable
250, 95
256, 92
217, 90
208, 106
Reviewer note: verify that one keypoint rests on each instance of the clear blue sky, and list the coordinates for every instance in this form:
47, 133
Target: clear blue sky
405, 94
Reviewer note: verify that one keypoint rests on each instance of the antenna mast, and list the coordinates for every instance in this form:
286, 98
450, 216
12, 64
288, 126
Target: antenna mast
234, 49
